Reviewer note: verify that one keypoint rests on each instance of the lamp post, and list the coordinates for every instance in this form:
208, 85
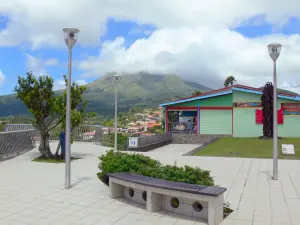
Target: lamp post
274, 51
70, 38
116, 81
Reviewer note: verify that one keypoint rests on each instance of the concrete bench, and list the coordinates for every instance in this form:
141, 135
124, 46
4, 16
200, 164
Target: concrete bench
203, 202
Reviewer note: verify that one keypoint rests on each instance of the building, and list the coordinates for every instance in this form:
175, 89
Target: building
234, 110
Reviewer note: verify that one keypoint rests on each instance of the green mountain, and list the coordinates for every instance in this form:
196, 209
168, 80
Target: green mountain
139, 90
284, 91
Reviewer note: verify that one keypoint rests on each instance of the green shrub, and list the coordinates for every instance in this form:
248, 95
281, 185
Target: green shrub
109, 140
137, 163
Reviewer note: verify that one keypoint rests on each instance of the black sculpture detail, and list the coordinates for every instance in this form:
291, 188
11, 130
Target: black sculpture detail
267, 105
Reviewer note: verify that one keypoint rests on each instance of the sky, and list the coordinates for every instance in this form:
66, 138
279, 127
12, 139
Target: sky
202, 41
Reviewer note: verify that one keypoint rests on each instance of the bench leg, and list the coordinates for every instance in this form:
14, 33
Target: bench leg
215, 212
154, 201
116, 190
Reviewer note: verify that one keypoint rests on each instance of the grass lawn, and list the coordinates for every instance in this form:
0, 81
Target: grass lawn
248, 148
51, 160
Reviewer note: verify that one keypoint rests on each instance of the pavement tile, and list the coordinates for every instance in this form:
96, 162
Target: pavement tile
35, 192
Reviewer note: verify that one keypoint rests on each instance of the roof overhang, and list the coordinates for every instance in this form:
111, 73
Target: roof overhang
196, 98
295, 98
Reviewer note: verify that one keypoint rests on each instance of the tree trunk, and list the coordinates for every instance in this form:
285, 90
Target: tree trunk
57, 149
44, 147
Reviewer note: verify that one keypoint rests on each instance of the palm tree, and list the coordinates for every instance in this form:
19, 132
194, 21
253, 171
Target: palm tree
229, 81
197, 92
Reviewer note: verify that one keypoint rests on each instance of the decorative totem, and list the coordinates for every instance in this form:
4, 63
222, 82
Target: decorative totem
267, 104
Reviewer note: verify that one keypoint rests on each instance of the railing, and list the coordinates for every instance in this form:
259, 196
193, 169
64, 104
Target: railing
182, 127
88, 133
146, 143
16, 142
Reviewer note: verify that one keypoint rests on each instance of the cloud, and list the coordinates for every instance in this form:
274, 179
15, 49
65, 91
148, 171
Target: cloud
199, 54
2, 78
30, 23
38, 65
81, 82
140, 30
60, 84
193, 39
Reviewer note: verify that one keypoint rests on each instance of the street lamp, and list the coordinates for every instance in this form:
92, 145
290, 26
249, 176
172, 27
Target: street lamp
116, 78
274, 51
70, 38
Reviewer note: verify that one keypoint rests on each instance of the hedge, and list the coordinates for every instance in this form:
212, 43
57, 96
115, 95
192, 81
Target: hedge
137, 163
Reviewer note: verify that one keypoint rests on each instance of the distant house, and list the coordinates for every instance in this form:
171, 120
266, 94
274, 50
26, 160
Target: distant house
152, 125
140, 122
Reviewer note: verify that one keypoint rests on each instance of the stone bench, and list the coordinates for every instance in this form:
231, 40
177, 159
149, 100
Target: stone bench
199, 201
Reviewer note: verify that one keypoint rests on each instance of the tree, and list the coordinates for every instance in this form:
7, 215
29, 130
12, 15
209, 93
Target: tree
48, 108
78, 108
197, 92
267, 104
229, 81
38, 95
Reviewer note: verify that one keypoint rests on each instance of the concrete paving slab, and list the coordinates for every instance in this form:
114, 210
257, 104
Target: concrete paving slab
33, 193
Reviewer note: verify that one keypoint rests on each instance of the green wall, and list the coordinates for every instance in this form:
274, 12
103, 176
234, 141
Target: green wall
290, 127
224, 100
244, 124
191, 103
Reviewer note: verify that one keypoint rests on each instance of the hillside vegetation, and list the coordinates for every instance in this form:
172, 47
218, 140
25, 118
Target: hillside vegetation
135, 90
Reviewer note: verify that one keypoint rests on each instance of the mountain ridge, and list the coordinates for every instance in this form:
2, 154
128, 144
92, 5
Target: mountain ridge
139, 90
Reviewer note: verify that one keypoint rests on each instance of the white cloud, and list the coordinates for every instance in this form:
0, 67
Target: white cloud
193, 38
30, 22
201, 55
81, 82
37, 65
60, 84
51, 62
2, 78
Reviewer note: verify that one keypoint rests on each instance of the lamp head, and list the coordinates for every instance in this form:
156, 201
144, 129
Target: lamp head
274, 50
116, 78
71, 36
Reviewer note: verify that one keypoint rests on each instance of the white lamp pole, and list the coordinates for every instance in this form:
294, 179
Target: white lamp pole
116, 81
274, 51
70, 38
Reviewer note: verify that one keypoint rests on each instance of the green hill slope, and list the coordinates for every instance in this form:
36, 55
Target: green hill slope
140, 90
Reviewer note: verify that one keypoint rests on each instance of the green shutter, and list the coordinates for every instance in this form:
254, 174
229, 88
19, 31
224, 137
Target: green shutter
215, 121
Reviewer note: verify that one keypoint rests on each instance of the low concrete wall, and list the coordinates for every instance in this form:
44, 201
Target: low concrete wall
147, 143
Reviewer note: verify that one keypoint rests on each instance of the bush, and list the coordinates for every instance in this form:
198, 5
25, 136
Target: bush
136, 163
109, 140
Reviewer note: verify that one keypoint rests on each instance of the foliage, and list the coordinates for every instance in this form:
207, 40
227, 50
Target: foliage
78, 106
267, 105
48, 108
109, 140
136, 163
38, 95
156, 129
145, 90
2, 126
197, 92
229, 81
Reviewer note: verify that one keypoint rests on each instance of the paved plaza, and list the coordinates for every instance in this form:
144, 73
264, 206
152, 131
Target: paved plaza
33, 193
